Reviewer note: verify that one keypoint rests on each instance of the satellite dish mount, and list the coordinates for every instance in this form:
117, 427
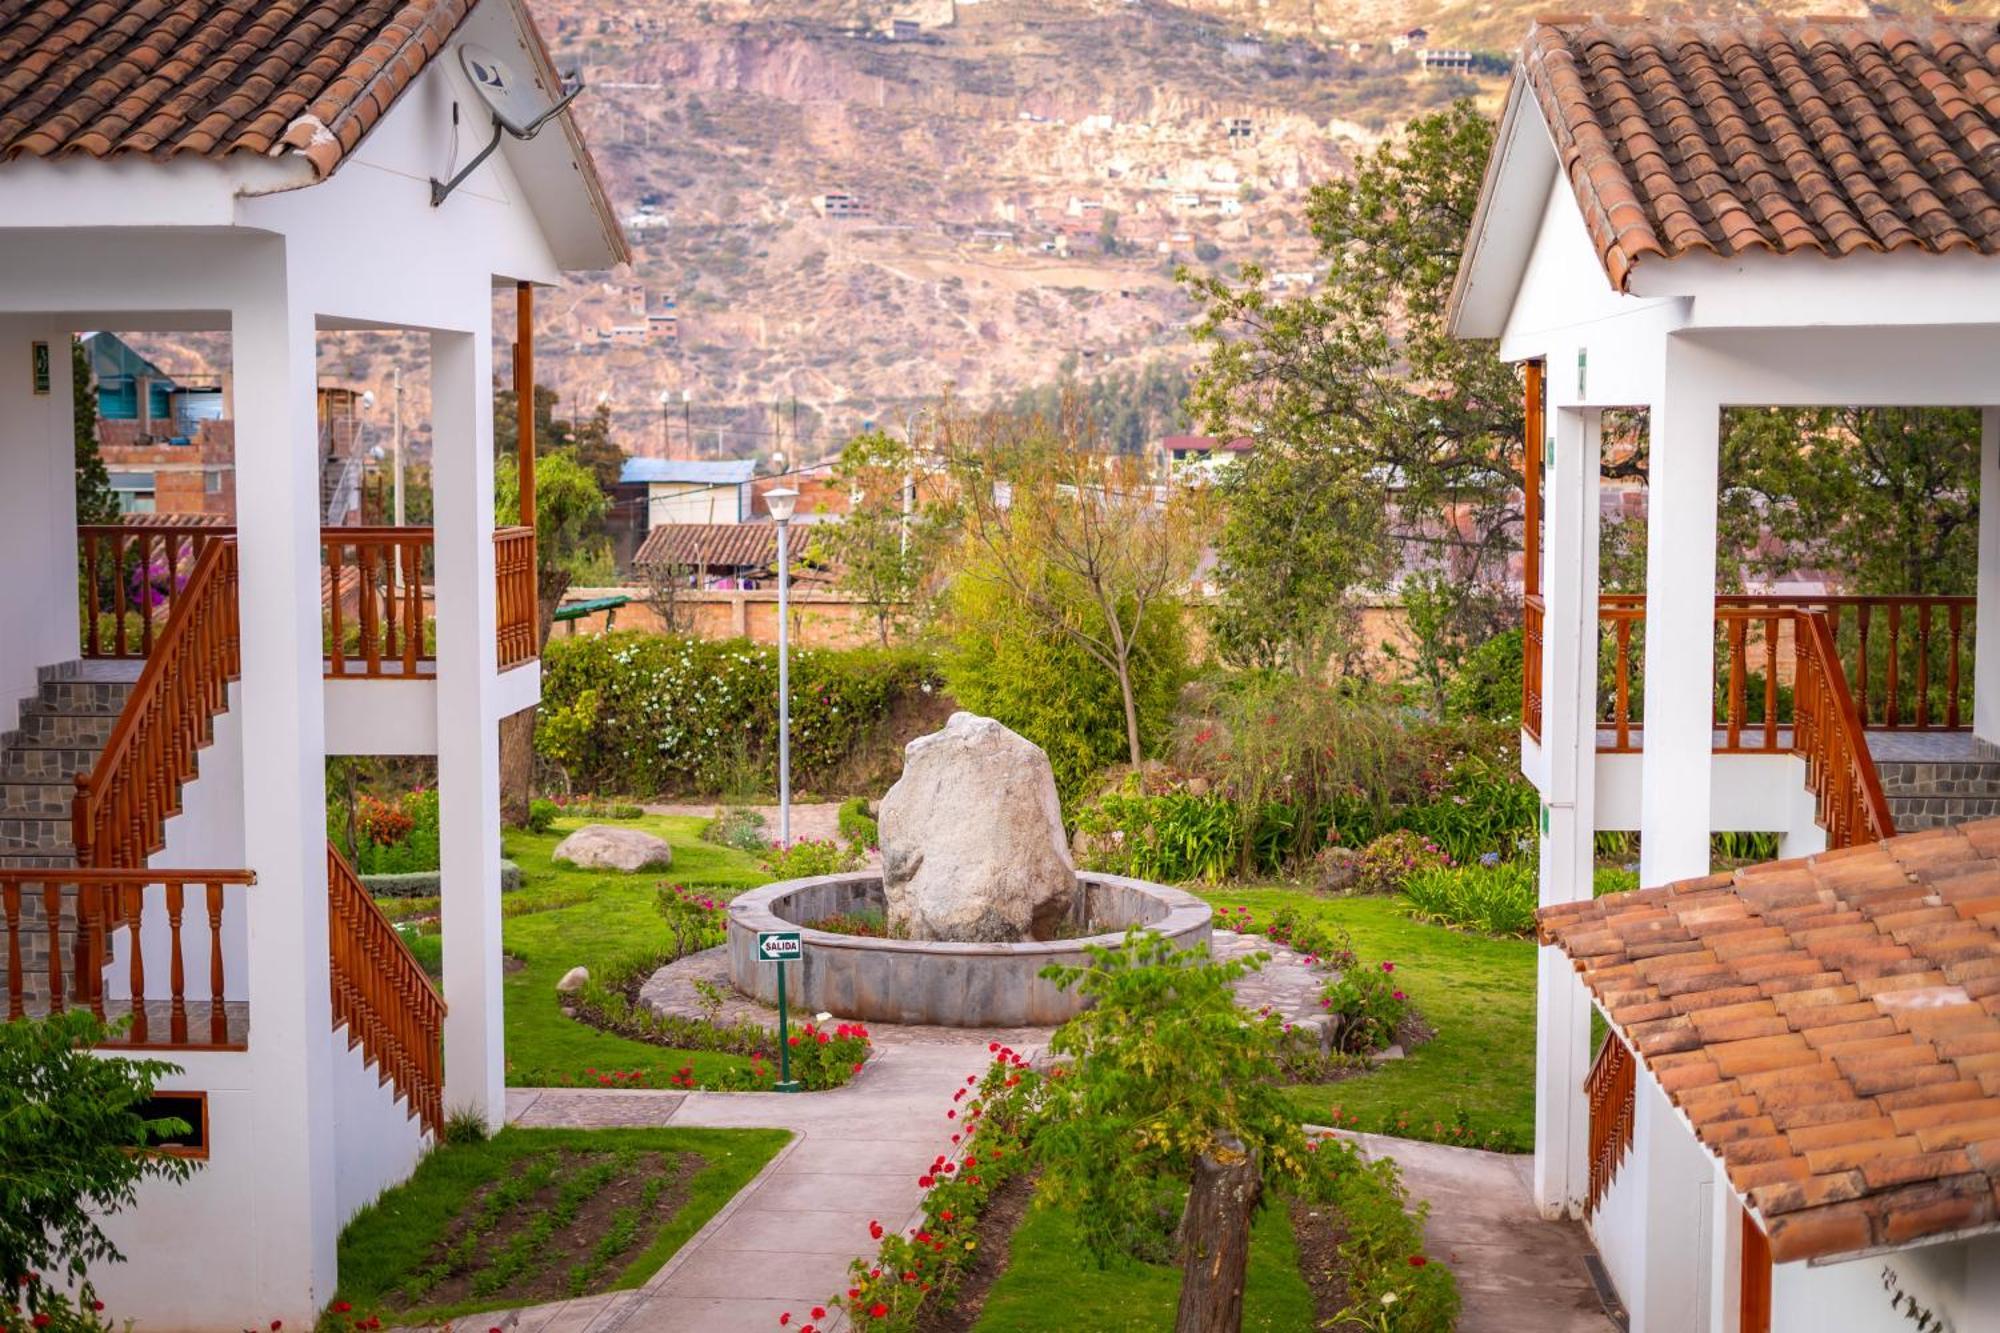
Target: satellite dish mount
519, 108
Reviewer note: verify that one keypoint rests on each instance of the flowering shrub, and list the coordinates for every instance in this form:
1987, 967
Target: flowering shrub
1392, 1285
397, 837
857, 825
739, 827
1369, 1005
1175, 837
383, 823
646, 713
1391, 859
822, 1058
810, 856
1499, 899
885, 1293
695, 917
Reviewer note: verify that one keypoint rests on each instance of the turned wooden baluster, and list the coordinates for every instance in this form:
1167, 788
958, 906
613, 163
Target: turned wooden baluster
1770, 682
1738, 634
1923, 665
135, 924
10, 901
1863, 613
218, 1019
1957, 618
413, 605
177, 972
1892, 703
371, 640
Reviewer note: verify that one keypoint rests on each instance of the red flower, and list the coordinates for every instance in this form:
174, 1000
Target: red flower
341, 1307
41, 1321
1388, 967
1418, 1261
945, 1216
879, 1310
277, 1324
925, 1182
97, 1305
874, 1231
819, 1312
784, 1318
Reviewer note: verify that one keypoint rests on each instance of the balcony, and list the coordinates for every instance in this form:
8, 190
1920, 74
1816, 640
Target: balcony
375, 597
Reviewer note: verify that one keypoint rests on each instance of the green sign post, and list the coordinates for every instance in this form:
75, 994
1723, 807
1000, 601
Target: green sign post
781, 947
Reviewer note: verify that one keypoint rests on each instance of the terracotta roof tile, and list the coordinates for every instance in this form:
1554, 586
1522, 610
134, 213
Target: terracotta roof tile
717, 546
101, 78
1828, 135
1830, 1026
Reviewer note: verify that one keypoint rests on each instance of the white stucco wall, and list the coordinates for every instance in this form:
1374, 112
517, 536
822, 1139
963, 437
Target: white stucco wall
1748, 793
1654, 1227
377, 1143
37, 513
1959, 1282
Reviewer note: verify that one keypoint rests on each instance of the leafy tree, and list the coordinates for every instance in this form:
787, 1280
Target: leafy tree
1085, 548
1886, 498
886, 552
570, 543
1128, 409
1361, 377
95, 500
589, 439
72, 1150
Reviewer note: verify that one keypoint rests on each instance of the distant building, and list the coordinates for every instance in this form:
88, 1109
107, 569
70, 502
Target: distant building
904, 30
1432, 62
1187, 448
1240, 127
839, 206
663, 327
1409, 40
711, 555
688, 490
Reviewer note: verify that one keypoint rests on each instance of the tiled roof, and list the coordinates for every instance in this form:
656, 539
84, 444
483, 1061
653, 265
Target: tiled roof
1827, 1025
1827, 135
715, 545
209, 77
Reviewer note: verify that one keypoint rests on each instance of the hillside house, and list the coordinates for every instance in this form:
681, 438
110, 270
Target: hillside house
1790, 1125
688, 490
183, 881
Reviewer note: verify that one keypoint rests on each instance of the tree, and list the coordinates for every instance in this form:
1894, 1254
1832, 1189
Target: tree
588, 439
95, 500
1078, 540
1886, 498
1360, 383
569, 542
887, 544
73, 1135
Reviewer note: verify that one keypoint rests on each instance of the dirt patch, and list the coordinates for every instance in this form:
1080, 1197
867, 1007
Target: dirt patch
558, 1225
1320, 1231
1004, 1212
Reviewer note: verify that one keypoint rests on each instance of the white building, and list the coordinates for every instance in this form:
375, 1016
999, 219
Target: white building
690, 490
269, 204
1823, 231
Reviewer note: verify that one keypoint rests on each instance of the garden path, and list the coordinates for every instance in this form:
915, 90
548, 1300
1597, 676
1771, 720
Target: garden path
785, 1241
1516, 1271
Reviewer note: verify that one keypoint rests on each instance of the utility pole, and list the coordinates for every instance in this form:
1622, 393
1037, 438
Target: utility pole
396, 441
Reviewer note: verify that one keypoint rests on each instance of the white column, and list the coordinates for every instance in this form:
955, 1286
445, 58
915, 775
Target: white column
37, 511
1725, 1254
1986, 632
1569, 740
1680, 628
284, 796
468, 720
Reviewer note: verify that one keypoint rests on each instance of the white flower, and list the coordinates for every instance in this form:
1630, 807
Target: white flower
822, 1018
1388, 1298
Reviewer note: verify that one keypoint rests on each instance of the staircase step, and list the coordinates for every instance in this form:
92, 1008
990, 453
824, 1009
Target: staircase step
46, 763
37, 836
80, 696
36, 798
65, 730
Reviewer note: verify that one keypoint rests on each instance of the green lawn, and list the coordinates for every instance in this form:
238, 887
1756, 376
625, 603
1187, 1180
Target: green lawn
612, 918
1051, 1282
397, 1236
1479, 994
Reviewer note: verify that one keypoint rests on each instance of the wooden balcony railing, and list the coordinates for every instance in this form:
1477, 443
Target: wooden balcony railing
1532, 612
519, 615
173, 921
119, 814
375, 592
375, 597
1840, 772
383, 995
1611, 1088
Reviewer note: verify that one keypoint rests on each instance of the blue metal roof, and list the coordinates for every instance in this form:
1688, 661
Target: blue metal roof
696, 472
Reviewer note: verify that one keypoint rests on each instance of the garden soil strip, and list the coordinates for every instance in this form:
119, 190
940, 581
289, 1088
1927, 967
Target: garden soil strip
567, 1247
1320, 1263
1004, 1211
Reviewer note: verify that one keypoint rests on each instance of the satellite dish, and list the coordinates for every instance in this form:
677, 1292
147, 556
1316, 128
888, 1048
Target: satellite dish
515, 103
518, 105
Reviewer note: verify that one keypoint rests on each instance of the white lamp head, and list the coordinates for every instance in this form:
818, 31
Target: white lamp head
782, 501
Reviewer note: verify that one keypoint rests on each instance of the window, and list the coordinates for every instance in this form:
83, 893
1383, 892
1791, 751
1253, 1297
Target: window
211, 482
189, 1107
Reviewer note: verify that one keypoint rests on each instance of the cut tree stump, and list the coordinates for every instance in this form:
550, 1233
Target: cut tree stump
1215, 1239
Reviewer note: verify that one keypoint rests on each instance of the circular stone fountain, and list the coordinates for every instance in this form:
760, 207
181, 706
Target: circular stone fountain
944, 982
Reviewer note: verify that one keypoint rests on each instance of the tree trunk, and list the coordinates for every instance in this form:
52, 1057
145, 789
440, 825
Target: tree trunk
1131, 710
1215, 1239
517, 733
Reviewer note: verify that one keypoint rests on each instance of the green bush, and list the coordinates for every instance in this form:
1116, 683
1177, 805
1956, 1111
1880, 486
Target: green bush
1495, 900
541, 815
72, 1151
1175, 838
399, 837
809, 857
1392, 1285
1488, 683
428, 883
857, 825
737, 827
1006, 665
647, 713
1369, 1005
1388, 862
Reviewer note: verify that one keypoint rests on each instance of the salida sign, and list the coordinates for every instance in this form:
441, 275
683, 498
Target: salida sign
779, 946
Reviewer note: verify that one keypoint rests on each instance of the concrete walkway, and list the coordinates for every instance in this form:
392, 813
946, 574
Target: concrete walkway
1517, 1273
784, 1242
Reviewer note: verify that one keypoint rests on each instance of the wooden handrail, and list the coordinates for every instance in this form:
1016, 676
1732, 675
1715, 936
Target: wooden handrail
1828, 734
383, 995
132, 575
161, 1012
1612, 1090
375, 586
518, 618
118, 817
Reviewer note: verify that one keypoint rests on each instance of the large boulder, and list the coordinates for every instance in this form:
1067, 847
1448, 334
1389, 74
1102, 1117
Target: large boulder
972, 838
604, 847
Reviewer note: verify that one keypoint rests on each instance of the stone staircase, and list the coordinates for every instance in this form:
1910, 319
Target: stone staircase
62, 730
1932, 793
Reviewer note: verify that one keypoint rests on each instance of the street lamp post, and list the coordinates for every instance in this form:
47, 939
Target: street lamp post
783, 500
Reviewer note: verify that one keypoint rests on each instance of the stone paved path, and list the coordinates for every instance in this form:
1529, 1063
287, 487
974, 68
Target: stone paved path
1517, 1273
784, 1242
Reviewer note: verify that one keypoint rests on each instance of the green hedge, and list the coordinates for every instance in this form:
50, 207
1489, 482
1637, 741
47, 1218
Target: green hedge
426, 883
645, 713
